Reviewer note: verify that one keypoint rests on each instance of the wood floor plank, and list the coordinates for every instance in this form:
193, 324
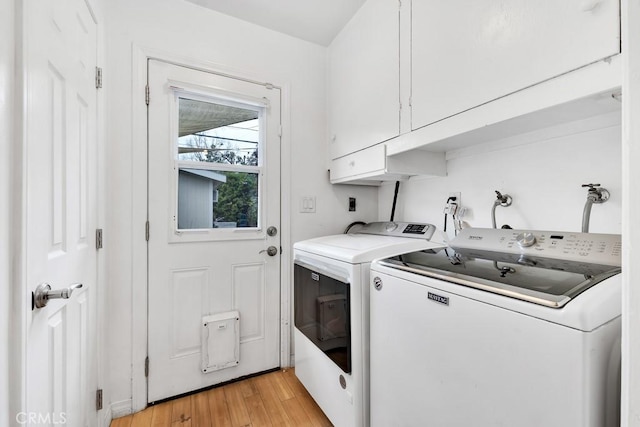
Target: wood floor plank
181, 412
311, 408
122, 422
294, 383
296, 412
257, 411
272, 402
200, 414
218, 408
281, 385
161, 415
237, 408
247, 388
142, 418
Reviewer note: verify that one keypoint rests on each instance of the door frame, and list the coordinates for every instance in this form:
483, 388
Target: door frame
630, 395
12, 339
139, 208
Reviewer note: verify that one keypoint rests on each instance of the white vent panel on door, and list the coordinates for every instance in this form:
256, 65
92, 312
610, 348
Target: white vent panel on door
220, 341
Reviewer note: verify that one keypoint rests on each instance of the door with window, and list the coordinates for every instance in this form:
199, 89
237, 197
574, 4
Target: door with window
214, 228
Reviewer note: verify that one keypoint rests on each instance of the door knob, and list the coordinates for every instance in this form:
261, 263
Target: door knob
271, 251
272, 231
43, 294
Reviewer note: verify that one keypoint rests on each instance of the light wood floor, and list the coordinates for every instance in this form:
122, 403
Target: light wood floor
274, 399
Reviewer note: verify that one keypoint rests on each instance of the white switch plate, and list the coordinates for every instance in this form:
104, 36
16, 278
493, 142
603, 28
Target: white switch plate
307, 204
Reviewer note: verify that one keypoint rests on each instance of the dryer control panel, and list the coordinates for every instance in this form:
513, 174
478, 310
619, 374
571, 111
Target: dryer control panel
533, 247
397, 229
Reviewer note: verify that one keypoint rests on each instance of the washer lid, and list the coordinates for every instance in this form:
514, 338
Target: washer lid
550, 287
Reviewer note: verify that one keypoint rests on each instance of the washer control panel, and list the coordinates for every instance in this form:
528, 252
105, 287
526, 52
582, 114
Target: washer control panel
530, 245
398, 229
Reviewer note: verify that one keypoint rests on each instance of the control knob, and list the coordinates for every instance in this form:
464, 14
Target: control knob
390, 226
525, 239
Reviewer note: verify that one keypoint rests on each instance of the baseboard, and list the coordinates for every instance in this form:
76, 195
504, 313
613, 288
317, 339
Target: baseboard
121, 408
105, 420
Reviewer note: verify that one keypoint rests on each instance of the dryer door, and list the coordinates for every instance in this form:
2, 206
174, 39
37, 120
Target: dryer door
322, 313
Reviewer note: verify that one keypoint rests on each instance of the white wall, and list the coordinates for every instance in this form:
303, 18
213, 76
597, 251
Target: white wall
631, 213
543, 178
7, 286
187, 30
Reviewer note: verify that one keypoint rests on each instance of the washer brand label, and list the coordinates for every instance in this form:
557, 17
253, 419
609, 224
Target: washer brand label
438, 298
315, 276
475, 237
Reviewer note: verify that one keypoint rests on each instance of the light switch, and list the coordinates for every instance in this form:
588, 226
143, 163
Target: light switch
307, 204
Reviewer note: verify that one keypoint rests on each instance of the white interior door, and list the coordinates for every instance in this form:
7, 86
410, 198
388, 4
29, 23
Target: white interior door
60, 185
214, 241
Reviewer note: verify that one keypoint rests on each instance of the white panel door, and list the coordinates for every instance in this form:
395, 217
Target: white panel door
60, 217
214, 190
466, 53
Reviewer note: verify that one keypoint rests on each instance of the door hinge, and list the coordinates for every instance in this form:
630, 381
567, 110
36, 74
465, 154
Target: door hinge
146, 367
98, 78
99, 238
280, 131
146, 94
146, 231
98, 399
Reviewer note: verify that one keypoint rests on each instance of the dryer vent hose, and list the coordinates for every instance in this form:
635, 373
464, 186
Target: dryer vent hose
395, 199
350, 226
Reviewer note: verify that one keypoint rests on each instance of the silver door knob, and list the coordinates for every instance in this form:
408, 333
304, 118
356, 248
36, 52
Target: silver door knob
43, 294
272, 231
271, 251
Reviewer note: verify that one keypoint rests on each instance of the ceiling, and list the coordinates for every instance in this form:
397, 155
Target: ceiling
317, 21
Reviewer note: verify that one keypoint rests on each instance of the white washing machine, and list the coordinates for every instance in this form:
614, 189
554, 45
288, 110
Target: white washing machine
331, 312
504, 328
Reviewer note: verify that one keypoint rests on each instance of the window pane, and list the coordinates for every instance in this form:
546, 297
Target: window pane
216, 133
217, 199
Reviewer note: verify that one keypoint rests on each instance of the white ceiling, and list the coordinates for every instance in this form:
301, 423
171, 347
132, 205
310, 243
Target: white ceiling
317, 21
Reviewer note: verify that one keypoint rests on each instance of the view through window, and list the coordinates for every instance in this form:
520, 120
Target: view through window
218, 164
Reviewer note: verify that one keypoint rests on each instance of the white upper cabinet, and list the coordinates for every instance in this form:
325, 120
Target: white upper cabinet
466, 53
364, 79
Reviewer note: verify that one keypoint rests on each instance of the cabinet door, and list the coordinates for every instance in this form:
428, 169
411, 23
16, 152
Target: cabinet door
364, 79
468, 52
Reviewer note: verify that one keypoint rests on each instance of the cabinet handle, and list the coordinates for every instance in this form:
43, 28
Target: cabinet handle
589, 5
333, 138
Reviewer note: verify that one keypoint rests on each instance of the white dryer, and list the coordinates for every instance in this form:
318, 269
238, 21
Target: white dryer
331, 312
504, 328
